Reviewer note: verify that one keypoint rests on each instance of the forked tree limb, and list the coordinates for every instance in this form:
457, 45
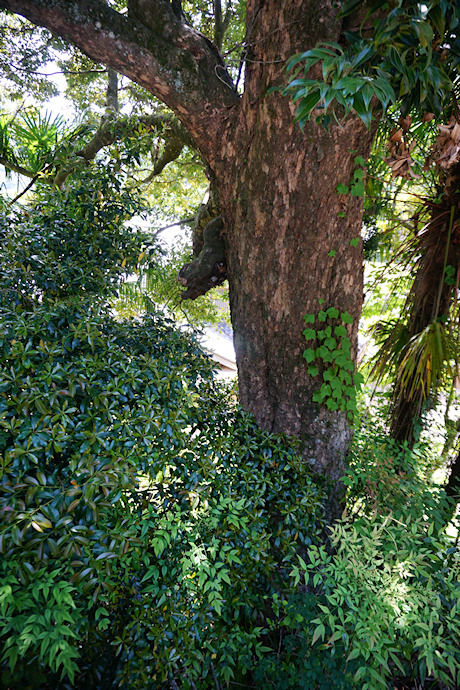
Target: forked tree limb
209, 269
110, 130
155, 48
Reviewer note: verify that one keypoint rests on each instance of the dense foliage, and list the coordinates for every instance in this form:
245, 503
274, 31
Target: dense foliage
137, 508
151, 535
403, 52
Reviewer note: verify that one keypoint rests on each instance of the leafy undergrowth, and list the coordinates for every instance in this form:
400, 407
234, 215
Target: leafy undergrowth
152, 536
144, 534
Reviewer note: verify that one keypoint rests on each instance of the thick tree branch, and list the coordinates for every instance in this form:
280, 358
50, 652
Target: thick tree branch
208, 210
172, 149
110, 130
209, 269
155, 48
16, 168
218, 33
168, 123
113, 129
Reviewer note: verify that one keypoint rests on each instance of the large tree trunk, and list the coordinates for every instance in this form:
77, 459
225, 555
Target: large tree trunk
276, 186
277, 190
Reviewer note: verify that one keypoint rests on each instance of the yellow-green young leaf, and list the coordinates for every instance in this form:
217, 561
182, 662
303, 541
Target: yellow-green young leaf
296, 575
353, 654
361, 670
44, 522
429, 662
397, 662
319, 632
41, 478
302, 562
451, 664
383, 662
225, 577
335, 637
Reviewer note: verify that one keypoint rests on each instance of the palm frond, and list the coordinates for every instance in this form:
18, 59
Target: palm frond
427, 360
392, 337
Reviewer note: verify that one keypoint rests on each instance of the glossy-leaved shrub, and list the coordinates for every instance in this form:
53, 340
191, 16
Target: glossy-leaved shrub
146, 523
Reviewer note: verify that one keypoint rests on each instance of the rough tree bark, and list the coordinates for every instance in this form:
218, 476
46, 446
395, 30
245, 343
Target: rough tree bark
276, 185
280, 208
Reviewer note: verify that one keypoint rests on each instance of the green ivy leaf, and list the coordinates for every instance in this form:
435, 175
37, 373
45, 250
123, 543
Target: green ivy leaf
336, 384
333, 313
345, 376
357, 189
309, 355
358, 380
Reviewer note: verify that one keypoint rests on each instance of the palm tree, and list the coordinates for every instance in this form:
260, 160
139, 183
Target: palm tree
426, 356
421, 346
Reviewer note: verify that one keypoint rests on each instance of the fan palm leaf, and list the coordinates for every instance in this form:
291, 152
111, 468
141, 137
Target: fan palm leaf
427, 359
392, 337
